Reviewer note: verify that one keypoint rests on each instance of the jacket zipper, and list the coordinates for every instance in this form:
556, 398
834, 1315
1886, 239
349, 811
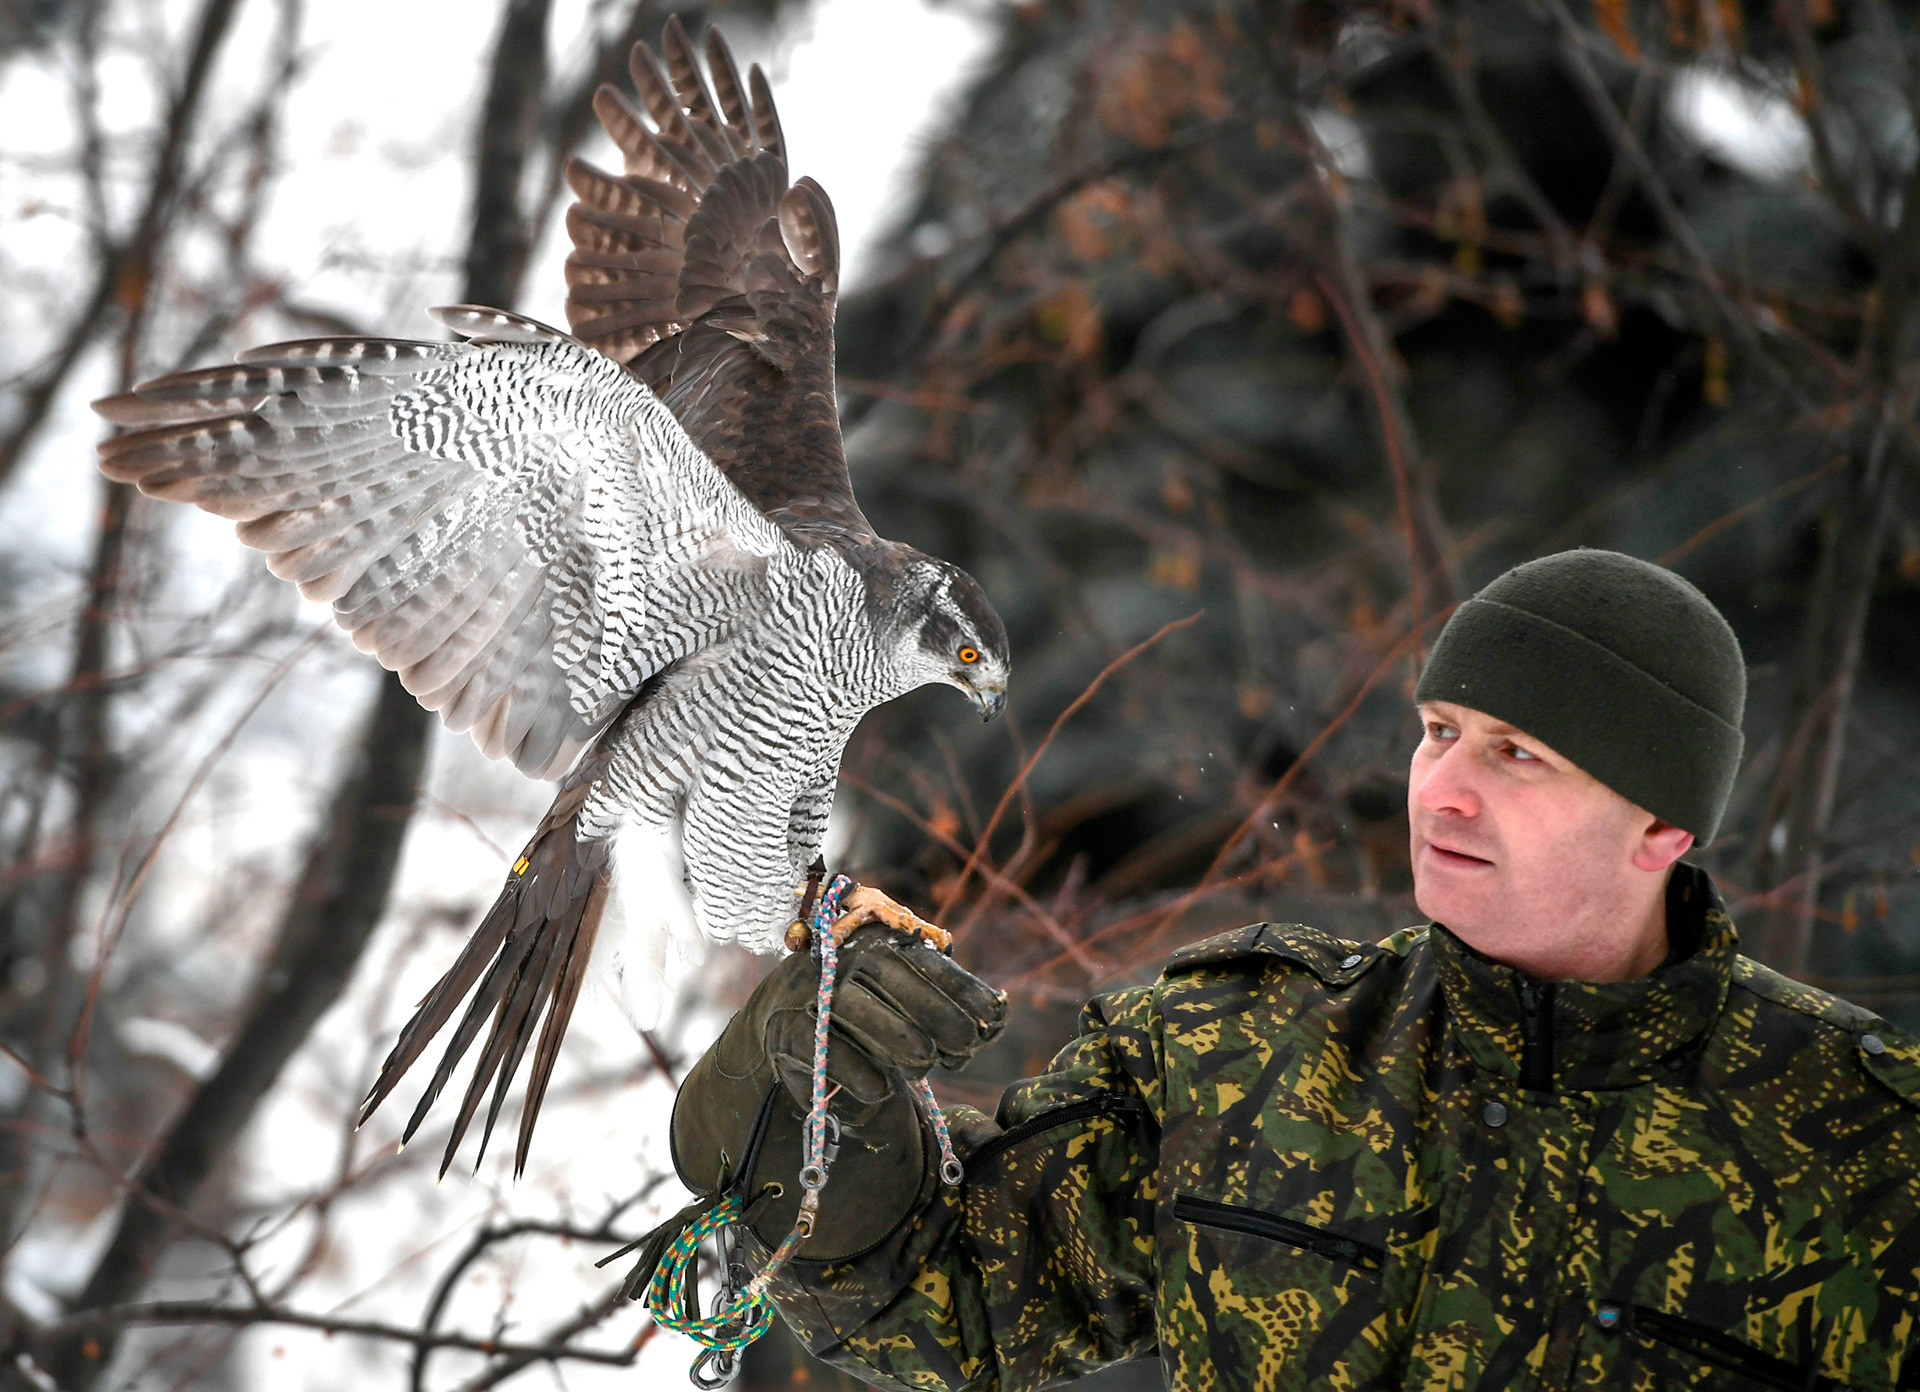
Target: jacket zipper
1259, 1223
1105, 1104
1536, 1035
1721, 1350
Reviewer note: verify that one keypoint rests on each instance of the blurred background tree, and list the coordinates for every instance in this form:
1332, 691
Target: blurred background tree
1311, 319
1231, 344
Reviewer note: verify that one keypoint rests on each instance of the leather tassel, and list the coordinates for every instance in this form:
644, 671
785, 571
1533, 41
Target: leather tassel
654, 1244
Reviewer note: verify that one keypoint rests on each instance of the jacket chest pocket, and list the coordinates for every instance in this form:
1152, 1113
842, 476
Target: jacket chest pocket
1271, 1299
1276, 1227
1667, 1350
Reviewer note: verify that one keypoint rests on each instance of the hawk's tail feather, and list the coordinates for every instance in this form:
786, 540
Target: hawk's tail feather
515, 1006
557, 1017
524, 962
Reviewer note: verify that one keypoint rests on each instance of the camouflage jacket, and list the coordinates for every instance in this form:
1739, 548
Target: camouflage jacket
1299, 1162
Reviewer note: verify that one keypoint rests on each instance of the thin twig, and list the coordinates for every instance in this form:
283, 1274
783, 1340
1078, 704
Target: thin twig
482, 1241
1572, 47
1260, 809
1006, 798
113, 915
1055, 929
210, 1312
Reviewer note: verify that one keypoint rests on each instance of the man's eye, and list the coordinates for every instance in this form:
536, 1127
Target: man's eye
1437, 731
1520, 753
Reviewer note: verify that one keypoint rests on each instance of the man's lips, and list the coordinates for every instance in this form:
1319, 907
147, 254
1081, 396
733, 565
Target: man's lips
1448, 856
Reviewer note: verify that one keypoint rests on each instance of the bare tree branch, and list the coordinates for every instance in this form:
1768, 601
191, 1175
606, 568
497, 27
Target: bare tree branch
1431, 583
1791, 850
1005, 233
1453, 53
341, 895
1833, 179
125, 272
108, 1322
560, 1335
491, 1236
334, 908
1738, 325
126, 269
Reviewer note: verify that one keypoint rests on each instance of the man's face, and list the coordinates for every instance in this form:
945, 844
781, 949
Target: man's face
1519, 852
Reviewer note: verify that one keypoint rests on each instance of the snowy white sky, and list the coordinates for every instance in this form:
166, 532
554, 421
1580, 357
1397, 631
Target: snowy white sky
368, 220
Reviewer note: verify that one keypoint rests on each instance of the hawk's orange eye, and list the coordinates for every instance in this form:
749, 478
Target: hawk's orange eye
969, 655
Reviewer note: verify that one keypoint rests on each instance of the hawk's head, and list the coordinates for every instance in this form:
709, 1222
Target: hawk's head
949, 632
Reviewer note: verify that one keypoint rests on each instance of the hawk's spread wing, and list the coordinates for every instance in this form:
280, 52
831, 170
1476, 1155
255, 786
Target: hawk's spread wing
714, 279
515, 524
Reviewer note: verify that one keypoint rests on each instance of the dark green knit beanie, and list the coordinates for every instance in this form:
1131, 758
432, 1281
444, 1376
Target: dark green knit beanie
1616, 663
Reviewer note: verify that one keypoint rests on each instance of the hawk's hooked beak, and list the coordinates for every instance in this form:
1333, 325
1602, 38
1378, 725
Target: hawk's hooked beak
990, 699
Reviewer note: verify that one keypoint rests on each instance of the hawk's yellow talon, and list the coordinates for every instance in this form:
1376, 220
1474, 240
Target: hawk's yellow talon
868, 905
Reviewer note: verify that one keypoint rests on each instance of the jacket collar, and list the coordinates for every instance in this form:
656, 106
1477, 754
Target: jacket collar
1578, 1036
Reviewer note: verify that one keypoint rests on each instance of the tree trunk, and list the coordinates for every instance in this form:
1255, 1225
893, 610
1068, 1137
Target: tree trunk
1790, 853
336, 904
342, 893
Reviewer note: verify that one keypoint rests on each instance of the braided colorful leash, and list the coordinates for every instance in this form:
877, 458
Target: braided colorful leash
731, 1327
740, 1319
950, 1167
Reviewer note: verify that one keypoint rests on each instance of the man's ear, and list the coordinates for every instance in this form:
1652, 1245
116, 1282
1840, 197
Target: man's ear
1661, 844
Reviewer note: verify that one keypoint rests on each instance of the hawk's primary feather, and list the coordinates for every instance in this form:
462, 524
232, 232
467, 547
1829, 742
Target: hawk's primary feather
715, 280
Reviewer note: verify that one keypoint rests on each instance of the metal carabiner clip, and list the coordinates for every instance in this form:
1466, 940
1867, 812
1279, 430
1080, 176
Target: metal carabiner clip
716, 1368
830, 1140
813, 1177
726, 1367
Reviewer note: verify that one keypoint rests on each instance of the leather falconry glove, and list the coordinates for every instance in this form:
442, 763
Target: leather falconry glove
899, 1007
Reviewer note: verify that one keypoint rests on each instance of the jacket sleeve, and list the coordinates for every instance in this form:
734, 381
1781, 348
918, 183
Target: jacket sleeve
1041, 1264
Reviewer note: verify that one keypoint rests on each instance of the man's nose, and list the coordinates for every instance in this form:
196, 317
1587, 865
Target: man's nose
1448, 784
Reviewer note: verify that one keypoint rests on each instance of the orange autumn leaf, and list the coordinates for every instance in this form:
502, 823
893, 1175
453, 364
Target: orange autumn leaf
1163, 82
1179, 570
1596, 307
1309, 856
1613, 18
1732, 22
1680, 28
944, 822
1714, 384
1305, 311
1082, 231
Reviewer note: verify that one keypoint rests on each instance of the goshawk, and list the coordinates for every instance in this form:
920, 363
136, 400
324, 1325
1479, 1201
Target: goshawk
629, 558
